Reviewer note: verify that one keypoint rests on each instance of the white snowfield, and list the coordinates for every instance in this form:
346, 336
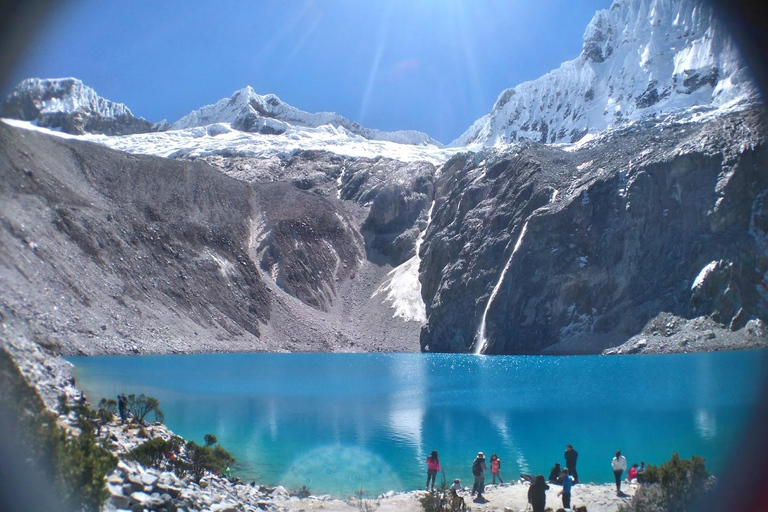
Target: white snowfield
221, 138
639, 58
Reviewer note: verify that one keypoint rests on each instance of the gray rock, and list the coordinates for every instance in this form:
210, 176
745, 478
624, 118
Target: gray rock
119, 501
149, 479
619, 245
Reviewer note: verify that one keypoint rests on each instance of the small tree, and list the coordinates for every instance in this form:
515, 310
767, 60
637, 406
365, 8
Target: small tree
210, 439
202, 459
108, 406
142, 405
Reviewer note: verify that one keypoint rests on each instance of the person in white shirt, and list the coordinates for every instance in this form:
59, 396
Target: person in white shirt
619, 464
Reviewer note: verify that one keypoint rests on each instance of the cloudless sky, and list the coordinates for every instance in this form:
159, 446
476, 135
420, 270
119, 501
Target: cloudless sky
429, 65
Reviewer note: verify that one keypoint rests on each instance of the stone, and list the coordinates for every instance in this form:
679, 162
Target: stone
169, 489
114, 489
149, 479
119, 502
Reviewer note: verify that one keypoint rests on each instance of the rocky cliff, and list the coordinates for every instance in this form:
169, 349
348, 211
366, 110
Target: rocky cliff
108, 252
68, 105
639, 58
576, 248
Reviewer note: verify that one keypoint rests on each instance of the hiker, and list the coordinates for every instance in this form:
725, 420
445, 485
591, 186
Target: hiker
566, 490
537, 495
478, 469
570, 461
619, 464
433, 466
457, 502
554, 474
641, 472
632, 473
122, 405
496, 468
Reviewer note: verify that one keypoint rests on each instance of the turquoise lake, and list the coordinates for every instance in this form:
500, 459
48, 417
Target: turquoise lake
341, 422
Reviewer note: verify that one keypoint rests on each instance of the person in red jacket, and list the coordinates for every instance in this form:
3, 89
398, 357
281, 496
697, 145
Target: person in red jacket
433, 466
496, 468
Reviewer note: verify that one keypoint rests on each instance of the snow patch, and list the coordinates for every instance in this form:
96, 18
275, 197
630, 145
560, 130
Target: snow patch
702, 277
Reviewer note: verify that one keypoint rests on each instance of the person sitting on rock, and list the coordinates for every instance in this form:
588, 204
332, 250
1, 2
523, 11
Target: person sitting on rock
632, 473
554, 474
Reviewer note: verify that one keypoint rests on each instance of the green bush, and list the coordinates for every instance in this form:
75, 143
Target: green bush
75, 466
155, 452
202, 459
675, 486
142, 405
107, 409
210, 439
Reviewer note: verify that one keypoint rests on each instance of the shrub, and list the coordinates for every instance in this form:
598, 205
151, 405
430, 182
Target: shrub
442, 500
76, 466
675, 486
362, 504
157, 452
202, 459
210, 439
107, 409
142, 405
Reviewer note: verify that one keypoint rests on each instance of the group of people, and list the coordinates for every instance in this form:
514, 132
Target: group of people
566, 477
619, 465
479, 467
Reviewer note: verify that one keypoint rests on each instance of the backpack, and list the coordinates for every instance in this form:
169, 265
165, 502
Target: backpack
476, 469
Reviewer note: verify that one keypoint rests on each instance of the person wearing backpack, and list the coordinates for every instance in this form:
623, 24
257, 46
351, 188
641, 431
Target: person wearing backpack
478, 469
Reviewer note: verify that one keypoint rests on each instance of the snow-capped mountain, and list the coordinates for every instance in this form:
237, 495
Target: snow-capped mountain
251, 112
68, 105
639, 58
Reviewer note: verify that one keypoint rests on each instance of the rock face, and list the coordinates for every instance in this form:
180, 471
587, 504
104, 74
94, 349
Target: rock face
639, 58
107, 252
579, 249
66, 104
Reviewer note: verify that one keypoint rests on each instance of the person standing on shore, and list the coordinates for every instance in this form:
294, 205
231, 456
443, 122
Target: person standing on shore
122, 404
619, 464
433, 466
570, 461
566, 491
496, 468
478, 469
537, 495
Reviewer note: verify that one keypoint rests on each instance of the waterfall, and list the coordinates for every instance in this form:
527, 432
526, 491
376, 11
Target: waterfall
482, 341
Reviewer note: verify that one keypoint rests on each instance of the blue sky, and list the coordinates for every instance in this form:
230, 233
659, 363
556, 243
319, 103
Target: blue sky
428, 65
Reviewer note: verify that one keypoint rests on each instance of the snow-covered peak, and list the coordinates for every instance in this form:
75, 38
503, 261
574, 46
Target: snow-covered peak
639, 58
267, 114
64, 95
71, 106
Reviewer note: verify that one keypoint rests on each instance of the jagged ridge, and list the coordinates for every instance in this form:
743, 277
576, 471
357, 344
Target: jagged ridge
68, 105
639, 58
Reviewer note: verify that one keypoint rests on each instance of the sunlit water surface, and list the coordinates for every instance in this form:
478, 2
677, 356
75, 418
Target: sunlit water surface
339, 422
